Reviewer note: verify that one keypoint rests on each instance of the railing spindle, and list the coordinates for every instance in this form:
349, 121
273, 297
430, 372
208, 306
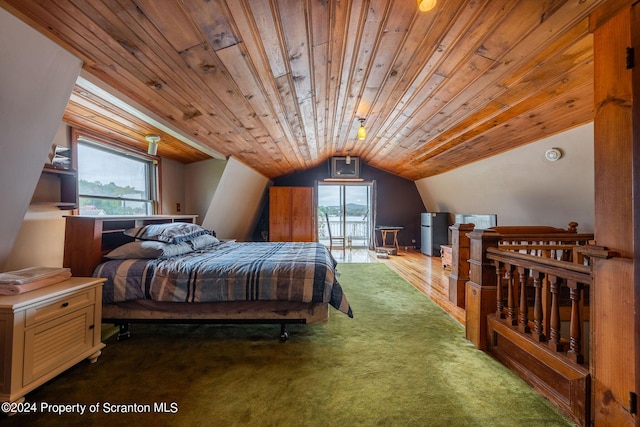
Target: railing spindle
523, 323
554, 333
500, 271
511, 310
538, 328
575, 342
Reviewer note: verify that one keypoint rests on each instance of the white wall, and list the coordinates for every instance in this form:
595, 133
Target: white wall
235, 206
36, 80
41, 224
521, 187
201, 181
173, 182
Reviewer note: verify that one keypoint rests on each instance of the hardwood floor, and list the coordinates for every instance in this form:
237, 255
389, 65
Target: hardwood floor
422, 271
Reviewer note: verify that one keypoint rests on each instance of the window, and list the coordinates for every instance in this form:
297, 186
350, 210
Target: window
114, 181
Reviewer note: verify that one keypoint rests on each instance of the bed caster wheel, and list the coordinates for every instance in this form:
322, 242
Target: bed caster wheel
124, 336
124, 332
284, 335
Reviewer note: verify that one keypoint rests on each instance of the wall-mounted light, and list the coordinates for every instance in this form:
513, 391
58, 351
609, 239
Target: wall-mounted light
553, 154
153, 144
426, 5
362, 132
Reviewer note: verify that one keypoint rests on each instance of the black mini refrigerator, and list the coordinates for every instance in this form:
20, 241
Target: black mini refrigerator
434, 232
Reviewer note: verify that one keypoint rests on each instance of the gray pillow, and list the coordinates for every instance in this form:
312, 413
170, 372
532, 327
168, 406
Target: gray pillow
202, 241
149, 249
173, 232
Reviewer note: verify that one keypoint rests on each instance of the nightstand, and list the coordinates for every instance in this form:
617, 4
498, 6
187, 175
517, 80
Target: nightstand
46, 331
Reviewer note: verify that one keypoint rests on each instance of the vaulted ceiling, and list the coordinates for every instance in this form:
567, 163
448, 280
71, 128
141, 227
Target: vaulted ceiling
281, 85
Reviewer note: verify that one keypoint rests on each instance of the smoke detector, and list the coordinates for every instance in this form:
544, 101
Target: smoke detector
553, 154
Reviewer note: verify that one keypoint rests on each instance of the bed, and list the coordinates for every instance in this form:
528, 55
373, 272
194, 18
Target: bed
181, 273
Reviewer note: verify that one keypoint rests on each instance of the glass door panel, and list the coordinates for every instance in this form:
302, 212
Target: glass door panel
357, 202
330, 211
348, 209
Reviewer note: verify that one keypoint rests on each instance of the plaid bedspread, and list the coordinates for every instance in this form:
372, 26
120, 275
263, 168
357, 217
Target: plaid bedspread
232, 271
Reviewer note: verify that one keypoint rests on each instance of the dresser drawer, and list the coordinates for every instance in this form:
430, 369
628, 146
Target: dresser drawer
59, 306
51, 344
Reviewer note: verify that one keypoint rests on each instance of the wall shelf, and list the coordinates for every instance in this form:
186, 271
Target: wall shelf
57, 187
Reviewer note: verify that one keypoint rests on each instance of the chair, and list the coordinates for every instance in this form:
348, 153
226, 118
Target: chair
332, 238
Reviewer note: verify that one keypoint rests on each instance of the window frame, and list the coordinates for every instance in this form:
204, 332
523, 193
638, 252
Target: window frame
121, 148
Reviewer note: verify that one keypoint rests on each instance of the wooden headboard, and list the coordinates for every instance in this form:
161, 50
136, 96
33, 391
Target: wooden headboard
88, 239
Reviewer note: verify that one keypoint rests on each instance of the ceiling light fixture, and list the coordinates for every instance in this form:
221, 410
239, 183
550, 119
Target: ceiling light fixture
362, 132
348, 159
426, 5
153, 144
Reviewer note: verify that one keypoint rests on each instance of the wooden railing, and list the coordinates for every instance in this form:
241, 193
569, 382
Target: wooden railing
523, 290
549, 242
530, 294
541, 244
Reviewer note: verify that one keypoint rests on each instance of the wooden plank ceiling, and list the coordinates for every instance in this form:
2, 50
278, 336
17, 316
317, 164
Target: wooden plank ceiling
282, 84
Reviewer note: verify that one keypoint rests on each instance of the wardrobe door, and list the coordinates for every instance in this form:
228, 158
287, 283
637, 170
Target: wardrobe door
291, 217
302, 225
279, 214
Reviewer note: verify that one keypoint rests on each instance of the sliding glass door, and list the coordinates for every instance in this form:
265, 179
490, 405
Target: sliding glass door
346, 208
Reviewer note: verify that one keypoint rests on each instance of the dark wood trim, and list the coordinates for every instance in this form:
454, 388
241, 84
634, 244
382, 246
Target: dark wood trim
564, 383
614, 363
635, 118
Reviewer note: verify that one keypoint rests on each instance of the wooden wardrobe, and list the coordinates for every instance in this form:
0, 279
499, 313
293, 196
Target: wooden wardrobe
292, 215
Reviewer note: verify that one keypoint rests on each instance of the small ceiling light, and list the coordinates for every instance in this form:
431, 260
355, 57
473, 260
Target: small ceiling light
553, 154
426, 5
362, 132
348, 159
153, 144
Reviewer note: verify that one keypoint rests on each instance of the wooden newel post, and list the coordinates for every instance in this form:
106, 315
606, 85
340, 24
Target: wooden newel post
481, 288
460, 263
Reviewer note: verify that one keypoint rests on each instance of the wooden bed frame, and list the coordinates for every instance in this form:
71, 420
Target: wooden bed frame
89, 238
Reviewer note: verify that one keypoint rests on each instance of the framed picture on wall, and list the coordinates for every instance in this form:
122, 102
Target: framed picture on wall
345, 167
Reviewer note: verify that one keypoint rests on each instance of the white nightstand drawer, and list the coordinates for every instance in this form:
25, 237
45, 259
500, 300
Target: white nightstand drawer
59, 306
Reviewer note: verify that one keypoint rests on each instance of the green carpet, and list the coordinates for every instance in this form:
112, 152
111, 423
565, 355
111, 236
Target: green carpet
401, 361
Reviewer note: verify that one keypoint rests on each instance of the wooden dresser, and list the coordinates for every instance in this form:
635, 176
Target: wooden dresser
46, 331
